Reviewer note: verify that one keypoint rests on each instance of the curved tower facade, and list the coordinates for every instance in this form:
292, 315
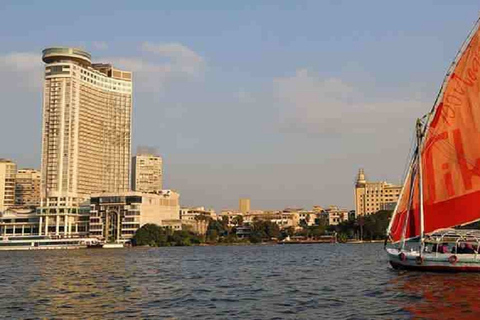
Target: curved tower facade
87, 119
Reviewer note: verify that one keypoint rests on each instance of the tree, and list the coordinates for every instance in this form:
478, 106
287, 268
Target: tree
264, 230
150, 235
156, 236
183, 238
238, 220
315, 231
370, 227
361, 223
216, 229
376, 224
287, 232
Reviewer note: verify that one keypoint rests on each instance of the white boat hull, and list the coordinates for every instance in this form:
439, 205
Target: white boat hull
441, 262
44, 243
25, 248
113, 246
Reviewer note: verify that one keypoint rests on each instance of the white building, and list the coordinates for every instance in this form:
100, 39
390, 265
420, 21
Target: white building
117, 216
147, 173
336, 215
307, 218
197, 218
86, 141
8, 170
18, 222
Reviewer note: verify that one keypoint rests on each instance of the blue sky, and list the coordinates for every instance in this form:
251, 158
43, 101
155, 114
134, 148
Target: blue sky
279, 101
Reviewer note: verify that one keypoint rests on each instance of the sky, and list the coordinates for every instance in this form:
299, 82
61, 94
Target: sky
278, 101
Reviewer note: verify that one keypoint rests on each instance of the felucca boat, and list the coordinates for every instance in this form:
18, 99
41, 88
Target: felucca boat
441, 190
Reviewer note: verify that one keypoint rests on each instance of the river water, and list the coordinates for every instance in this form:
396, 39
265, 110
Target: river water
318, 281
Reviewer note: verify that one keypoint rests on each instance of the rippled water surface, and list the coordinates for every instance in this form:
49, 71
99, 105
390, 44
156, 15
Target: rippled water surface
320, 281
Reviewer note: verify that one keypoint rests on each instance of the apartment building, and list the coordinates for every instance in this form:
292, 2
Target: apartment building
371, 196
27, 187
147, 173
8, 170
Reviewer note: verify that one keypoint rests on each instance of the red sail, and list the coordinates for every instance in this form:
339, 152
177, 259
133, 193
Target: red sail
450, 155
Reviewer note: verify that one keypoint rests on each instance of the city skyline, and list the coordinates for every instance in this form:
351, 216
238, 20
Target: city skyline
283, 117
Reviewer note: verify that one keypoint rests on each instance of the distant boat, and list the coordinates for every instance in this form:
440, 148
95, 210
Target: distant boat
44, 243
112, 246
304, 240
442, 185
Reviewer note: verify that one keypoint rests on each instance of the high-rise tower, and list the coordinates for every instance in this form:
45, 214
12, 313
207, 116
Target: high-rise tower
244, 205
87, 112
147, 173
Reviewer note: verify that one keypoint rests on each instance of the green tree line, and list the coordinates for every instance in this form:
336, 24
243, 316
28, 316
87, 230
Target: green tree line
370, 227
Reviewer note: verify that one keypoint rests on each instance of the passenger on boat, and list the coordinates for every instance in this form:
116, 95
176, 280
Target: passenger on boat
468, 248
464, 248
443, 248
460, 248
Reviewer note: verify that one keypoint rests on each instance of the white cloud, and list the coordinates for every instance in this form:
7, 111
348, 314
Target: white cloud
148, 76
163, 64
181, 58
316, 105
21, 71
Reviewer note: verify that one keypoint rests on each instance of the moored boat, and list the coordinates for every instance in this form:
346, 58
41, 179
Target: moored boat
113, 245
442, 185
44, 243
444, 250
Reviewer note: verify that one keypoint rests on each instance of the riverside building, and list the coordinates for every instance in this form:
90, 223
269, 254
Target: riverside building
115, 217
18, 222
197, 218
336, 215
8, 171
147, 173
244, 205
86, 141
27, 187
371, 197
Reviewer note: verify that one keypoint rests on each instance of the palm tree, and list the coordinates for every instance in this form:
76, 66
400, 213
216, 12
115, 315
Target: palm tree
238, 220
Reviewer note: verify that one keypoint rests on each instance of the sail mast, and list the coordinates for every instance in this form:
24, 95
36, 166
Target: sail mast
420, 182
412, 174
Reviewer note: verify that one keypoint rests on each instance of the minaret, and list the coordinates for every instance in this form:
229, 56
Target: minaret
360, 191
361, 178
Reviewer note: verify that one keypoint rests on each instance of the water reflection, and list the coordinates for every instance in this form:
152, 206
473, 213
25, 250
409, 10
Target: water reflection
331, 281
75, 284
439, 295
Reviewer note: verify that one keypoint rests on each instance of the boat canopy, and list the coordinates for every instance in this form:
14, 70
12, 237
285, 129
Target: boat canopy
449, 155
454, 236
